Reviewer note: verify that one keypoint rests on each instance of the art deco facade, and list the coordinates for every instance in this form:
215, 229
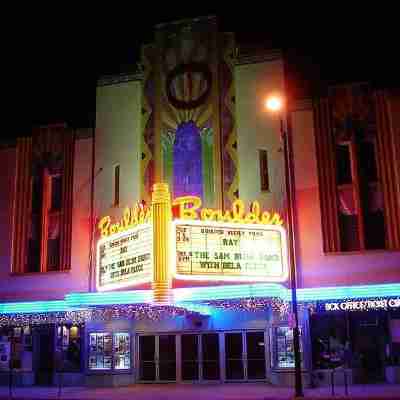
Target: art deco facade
107, 295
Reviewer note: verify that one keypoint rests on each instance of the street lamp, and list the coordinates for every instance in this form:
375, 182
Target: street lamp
276, 104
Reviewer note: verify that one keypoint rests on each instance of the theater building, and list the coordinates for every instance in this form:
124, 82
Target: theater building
156, 246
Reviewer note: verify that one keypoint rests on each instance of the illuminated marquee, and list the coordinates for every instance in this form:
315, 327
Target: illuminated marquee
125, 258
207, 244
220, 251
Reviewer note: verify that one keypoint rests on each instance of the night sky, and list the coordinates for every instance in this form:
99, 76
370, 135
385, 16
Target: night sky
54, 57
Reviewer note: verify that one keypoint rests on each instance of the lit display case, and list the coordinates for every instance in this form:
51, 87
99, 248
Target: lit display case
122, 354
109, 351
282, 347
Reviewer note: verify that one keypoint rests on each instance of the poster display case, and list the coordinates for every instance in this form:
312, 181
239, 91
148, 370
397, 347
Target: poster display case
282, 348
108, 351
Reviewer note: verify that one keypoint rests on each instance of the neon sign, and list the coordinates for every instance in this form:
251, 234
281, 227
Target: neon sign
363, 305
188, 208
138, 214
206, 244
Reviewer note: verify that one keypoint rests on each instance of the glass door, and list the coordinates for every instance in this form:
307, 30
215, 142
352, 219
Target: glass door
245, 355
255, 351
157, 358
234, 356
167, 357
190, 357
147, 358
210, 370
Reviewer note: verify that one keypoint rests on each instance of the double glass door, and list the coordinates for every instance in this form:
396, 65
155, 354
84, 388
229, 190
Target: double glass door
245, 355
157, 358
200, 357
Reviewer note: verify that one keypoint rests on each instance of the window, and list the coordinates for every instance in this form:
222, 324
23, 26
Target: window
116, 186
282, 347
42, 218
109, 351
264, 175
56, 193
16, 346
357, 171
69, 347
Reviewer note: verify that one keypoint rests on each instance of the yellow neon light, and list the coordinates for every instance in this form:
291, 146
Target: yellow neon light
189, 209
138, 214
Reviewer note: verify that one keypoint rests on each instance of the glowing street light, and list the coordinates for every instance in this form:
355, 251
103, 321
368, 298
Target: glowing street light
276, 104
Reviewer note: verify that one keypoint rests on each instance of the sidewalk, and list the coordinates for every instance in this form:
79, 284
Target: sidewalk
249, 391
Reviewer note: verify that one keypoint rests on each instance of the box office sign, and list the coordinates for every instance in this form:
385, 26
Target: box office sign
125, 258
363, 305
220, 251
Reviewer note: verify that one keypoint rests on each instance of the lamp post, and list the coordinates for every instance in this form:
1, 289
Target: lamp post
275, 104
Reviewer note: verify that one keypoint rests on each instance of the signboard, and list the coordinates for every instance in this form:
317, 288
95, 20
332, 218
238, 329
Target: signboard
125, 259
229, 252
363, 305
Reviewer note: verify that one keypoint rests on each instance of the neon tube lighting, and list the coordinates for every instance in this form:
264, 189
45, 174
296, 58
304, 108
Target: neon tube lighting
184, 296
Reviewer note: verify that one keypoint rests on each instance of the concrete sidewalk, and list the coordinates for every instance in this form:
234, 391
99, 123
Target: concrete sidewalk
249, 391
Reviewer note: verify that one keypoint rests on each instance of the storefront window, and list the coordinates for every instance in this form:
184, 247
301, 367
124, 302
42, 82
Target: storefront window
282, 346
69, 347
16, 346
109, 351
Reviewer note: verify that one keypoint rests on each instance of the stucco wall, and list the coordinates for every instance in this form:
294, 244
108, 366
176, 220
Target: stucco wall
258, 129
316, 268
51, 285
117, 142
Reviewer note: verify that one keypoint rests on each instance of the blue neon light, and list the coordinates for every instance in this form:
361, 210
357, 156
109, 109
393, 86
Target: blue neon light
230, 292
108, 298
191, 298
34, 307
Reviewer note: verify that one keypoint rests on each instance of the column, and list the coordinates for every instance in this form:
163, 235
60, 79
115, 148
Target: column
161, 213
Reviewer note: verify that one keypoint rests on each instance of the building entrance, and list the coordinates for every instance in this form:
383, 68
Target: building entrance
199, 357
245, 355
44, 355
157, 358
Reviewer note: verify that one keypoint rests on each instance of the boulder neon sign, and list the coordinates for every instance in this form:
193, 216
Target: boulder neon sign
189, 208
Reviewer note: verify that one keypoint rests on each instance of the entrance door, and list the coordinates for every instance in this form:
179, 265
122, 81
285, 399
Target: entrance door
190, 345
245, 355
210, 368
45, 355
255, 351
147, 357
166, 358
234, 354
200, 357
157, 358
369, 345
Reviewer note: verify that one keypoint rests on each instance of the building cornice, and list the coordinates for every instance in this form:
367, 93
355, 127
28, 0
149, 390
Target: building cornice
256, 56
108, 80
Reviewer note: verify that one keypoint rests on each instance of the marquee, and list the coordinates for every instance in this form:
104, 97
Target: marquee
200, 244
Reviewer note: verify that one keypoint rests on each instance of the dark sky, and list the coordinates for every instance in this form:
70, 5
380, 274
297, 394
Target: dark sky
53, 57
